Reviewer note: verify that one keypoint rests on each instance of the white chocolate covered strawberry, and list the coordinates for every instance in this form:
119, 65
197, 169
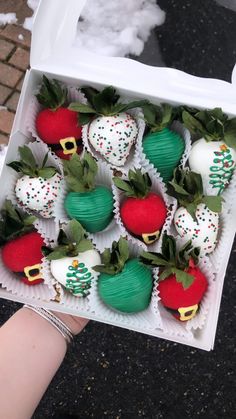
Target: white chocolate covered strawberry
38, 188
72, 261
197, 218
213, 155
112, 130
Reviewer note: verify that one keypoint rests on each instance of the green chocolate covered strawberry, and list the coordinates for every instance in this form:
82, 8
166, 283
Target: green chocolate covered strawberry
72, 260
124, 284
182, 284
90, 204
162, 146
38, 187
112, 130
56, 125
143, 212
21, 245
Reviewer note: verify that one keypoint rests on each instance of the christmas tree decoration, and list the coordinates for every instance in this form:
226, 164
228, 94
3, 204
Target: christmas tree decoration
197, 218
71, 261
143, 213
21, 245
162, 146
112, 130
124, 284
90, 204
38, 187
214, 154
182, 284
56, 125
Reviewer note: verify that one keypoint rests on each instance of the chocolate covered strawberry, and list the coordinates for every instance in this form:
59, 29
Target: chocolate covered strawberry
143, 212
197, 218
21, 245
87, 202
38, 187
72, 260
162, 146
112, 130
124, 283
182, 284
57, 125
214, 154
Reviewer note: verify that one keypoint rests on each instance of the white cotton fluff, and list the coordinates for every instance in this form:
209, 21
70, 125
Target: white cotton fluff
7, 18
28, 23
114, 28
118, 28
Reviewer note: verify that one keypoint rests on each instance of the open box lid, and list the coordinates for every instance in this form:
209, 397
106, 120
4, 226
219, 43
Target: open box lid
53, 50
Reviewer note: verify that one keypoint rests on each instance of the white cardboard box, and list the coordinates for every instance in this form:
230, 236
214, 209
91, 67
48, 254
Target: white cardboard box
53, 54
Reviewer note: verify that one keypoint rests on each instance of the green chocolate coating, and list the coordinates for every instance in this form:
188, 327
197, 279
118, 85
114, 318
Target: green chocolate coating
128, 291
164, 150
93, 209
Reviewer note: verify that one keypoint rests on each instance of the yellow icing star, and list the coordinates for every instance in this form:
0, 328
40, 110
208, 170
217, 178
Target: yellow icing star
75, 263
223, 147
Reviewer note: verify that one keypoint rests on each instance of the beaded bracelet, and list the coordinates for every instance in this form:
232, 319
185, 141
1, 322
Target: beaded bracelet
53, 320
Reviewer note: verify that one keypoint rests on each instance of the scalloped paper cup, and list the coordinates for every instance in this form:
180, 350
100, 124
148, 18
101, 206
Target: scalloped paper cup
133, 160
159, 188
184, 133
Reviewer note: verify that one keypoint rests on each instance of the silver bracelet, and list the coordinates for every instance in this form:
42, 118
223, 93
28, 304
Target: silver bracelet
53, 320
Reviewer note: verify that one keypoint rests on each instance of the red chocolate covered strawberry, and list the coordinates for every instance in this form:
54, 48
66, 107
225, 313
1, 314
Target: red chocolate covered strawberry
56, 125
144, 212
182, 284
21, 245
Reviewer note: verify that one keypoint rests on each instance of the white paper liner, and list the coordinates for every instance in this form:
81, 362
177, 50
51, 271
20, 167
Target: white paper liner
34, 108
176, 328
133, 160
148, 319
159, 188
42, 292
184, 133
39, 150
225, 233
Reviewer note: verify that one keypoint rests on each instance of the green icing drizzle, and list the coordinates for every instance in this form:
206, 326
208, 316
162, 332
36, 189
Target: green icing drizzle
128, 291
78, 280
93, 209
222, 170
164, 150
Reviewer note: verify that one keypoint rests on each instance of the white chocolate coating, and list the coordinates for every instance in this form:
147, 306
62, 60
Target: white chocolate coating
202, 232
113, 136
70, 278
38, 194
215, 161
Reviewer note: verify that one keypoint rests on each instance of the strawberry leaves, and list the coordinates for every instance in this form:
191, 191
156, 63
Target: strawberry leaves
158, 117
173, 262
113, 261
138, 185
52, 94
80, 173
187, 188
106, 102
213, 125
14, 223
70, 244
28, 165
